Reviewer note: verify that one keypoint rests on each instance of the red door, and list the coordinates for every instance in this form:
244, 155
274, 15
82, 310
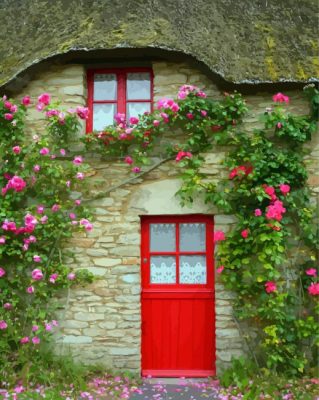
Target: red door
178, 318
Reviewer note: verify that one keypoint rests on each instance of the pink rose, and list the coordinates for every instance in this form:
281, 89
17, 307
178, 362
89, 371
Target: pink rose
44, 98
35, 340
48, 327
270, 287
36, 168
37, 258
2, 272
280, 98
16, 183
55, 207
218, 236
62, 152
16, 149
8, 117
258, 212
279, 125
220, 269
203, 112
136, 170
44, 219
183, 154
284, 188
311, 272
71, 276
2, 240
14, 109
134, 120
77, 202
44, 151
37, 274
128, 160
190, 116
26, 100
53, 277
77, 160
79, 175
82, 112
30, 289
275, 211
7, 105
181, 95
72, 216
156, 122
35, 328
3, 325
313, 289
245, 233
40, 209
24, 340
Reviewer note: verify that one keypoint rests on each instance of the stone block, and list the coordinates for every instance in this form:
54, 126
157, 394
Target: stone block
87, 316
107, 325
124, 351
77, 339
106, 262
96, 271
130, 278
126, 251
73, 324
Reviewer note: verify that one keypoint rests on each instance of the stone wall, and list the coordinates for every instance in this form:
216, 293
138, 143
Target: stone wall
101, 323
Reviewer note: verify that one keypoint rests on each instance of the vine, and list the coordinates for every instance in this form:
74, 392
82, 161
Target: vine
37, 214
266, 191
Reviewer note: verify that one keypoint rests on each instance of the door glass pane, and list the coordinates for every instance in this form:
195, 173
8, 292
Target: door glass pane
139, 86
163, 269
192, 269
192, 237
162, 237
136, 109
105, 87
103, 115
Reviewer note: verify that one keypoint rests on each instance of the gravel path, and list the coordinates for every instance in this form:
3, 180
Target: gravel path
179, 389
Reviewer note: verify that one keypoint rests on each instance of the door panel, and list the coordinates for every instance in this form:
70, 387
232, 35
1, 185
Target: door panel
178, 320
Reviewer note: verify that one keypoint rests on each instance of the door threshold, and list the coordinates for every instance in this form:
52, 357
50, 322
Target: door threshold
177, 373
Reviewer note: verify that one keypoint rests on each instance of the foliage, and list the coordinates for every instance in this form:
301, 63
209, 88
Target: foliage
37, 214
243, 381
269, 258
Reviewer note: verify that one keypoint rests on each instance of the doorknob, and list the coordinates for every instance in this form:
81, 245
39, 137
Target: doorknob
145, 260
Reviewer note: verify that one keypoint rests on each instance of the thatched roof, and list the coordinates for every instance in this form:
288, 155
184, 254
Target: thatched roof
242, 41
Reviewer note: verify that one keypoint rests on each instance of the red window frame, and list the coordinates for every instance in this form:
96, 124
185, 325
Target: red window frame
146, 253
121, 75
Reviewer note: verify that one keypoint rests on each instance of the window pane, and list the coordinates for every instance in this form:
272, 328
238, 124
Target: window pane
192, 269
103, 115
105, 87
138, 86
163, 237
136, 109
163, 269
192, 237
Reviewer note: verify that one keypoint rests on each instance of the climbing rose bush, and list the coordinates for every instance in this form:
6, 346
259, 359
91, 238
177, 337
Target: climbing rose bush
266, 190
38, 211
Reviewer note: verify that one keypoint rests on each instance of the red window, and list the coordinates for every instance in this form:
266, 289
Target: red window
178, 251
127, 91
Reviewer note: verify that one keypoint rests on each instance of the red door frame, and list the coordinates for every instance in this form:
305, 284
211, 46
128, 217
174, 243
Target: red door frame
121, 100
178, 291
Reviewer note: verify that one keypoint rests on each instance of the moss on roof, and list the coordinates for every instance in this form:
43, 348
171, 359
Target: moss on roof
241, 40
